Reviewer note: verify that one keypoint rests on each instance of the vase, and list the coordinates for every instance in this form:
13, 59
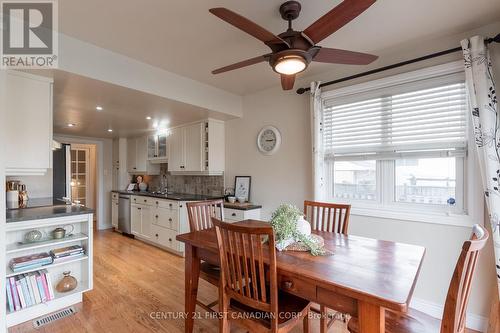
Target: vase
303, 226
67, 283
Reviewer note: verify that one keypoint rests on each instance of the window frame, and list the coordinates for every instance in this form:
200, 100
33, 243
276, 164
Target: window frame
470, 209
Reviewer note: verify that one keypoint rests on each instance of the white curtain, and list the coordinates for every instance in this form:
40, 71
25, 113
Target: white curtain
486, 122
317, 140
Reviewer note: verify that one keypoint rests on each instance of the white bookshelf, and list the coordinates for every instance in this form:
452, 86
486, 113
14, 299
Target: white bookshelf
80, 267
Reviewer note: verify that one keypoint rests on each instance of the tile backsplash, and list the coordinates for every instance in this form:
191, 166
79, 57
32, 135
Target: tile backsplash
206, 185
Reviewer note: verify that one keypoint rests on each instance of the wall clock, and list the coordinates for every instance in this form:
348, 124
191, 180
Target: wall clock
269, 140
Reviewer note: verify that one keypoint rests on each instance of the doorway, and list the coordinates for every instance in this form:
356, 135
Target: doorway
83, 175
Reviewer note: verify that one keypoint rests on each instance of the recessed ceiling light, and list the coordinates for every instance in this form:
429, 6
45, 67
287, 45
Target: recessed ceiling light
110, 130
71, 125
148, 118
98, 108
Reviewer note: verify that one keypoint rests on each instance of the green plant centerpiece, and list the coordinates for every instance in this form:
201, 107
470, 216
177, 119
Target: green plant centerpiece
284, 222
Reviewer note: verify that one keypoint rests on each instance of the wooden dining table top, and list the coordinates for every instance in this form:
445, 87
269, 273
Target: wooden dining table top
381, 272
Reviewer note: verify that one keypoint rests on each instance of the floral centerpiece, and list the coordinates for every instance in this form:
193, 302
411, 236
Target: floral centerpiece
290, 227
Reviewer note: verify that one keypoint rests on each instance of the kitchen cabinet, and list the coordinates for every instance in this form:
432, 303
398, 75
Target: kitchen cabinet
235, 215
140, 220
114, 209
137, 157
157, 148
28, 134
159, 221
197, 148
176, 150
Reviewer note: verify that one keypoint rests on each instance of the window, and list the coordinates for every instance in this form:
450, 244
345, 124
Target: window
399, 145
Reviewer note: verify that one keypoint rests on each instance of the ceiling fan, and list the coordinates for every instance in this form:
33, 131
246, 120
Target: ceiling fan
292, 51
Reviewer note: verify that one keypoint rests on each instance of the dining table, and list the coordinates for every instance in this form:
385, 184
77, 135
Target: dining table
362, 277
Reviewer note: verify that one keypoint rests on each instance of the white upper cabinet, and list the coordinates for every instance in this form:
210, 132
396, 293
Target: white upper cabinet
157, 148
197, 148
176, 150
137, 157
29, 124
193, 138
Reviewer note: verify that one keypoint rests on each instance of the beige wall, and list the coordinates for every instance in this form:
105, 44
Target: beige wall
287, 177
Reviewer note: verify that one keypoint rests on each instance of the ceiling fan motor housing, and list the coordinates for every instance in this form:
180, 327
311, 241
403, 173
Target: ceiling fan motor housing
290, 10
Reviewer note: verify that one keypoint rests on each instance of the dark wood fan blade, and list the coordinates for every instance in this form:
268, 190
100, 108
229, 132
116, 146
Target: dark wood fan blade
247, 26
336, 19
241, 64
337, 56
287, 81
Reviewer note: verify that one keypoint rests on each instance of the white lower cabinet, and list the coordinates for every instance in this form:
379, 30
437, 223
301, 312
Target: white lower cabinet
114, 213
140, 220
235, 215
159, 221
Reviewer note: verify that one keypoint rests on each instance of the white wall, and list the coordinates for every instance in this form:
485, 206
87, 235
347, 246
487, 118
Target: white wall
37, 186
3, 327
287, 177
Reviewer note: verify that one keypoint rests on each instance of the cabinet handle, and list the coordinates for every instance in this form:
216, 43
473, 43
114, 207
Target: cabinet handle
135, 168
170, 220
156, 216
157, 202
156, 235
139, 208
233, 214
145, 200
170, 205
288, 284
170, 239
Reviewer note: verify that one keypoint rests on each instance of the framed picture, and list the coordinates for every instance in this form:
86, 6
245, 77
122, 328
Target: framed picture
242, 187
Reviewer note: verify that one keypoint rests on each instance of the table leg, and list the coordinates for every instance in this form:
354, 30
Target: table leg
371, 318
192, 273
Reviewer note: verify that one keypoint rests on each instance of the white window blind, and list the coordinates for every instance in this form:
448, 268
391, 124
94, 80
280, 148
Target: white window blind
425, 120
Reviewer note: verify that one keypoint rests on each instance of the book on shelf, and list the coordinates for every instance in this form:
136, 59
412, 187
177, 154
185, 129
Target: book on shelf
68, 258
29, 289
65, 251
30, 261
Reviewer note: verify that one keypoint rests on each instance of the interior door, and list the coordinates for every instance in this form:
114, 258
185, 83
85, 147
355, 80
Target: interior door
176, 150
80, 175
194, 147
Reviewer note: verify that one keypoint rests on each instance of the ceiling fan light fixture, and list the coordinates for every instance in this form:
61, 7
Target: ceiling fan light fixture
290, 64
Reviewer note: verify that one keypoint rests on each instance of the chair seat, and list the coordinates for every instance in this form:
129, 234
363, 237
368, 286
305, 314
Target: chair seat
210, 273
287, 304
412, 322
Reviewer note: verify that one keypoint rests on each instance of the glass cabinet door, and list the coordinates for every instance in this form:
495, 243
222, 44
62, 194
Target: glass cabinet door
162, 145
152, 142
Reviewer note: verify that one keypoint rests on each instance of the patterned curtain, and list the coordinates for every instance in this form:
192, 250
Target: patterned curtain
317, 140
486, 122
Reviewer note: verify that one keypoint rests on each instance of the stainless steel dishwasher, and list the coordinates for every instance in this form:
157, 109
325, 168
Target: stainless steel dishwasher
124, 214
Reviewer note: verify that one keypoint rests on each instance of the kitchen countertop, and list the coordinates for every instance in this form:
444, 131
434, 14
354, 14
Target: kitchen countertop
46, 212
172, 196
245, 206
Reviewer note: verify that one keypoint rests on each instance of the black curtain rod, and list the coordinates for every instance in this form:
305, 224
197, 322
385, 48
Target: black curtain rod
300, 91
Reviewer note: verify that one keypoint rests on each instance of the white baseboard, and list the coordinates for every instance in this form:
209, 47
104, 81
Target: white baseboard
473, 321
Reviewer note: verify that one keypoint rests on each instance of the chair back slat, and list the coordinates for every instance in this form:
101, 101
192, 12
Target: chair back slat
244, 261
460, 286
200, 213
327, 216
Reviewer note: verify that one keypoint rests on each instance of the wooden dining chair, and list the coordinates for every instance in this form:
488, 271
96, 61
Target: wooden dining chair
249, 293
327, 217
456, 301
200, 215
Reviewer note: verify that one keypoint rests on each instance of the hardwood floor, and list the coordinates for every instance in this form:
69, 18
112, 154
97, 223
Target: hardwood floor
137, 288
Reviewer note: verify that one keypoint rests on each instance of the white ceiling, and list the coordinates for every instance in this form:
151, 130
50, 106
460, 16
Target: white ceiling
184, 38
124, 110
